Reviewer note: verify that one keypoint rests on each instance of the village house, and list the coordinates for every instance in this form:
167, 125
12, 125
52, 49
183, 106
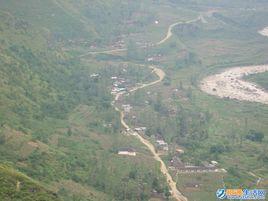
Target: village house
179, 151
178, 165
155, 57
94, 75
215, 163
127, 152
92, 46
140, 129
162, 145
116, 84
192, 185
117, 89
196, 169
129, 131
150, 59
127, 108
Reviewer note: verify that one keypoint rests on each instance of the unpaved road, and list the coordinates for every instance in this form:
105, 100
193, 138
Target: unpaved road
168, 35
264, 32
161, 75
169, 32
230, 84
226, 84
172, 184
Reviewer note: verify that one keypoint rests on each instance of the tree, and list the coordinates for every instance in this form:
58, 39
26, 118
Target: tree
156, 186
69, 132
2, 139
158, 104
217, 149
133, 174
132, 50
255, 136
181, 85
183, 129
167, 192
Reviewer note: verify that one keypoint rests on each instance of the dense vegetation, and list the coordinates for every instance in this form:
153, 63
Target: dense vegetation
17, 186
57, 124
208, 128
260, 79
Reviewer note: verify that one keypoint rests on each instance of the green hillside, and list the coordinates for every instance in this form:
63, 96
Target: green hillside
54, 116
260, 79
57, 124
17, 186
80, 22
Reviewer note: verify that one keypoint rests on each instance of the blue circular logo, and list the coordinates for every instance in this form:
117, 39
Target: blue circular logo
221, 193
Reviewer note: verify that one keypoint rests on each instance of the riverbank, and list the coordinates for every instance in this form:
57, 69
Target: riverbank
230, 84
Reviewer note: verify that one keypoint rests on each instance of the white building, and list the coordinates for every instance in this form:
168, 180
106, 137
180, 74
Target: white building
127, 108
214, 163
161, 144
140, 129
127, 152
94, 75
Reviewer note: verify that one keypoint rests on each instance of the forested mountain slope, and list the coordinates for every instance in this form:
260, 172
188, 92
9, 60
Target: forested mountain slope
58, 61
81, 20
53, 115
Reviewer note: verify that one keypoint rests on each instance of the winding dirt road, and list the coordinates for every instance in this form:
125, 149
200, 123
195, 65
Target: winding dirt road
168, 35
161, 75
230, 84
226, 84
172, 184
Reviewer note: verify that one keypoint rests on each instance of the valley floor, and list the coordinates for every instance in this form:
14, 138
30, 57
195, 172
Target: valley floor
229, 84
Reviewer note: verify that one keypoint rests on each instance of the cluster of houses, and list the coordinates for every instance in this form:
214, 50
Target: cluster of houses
80, 41
120, 43
162, 145
118, 85
127, 108
155, 57
140, 129
177, 165
107, 125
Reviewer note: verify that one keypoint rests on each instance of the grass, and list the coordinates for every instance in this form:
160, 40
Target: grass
55, 119
207, 185
55, 127
17, 186
231, 46
260, 79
